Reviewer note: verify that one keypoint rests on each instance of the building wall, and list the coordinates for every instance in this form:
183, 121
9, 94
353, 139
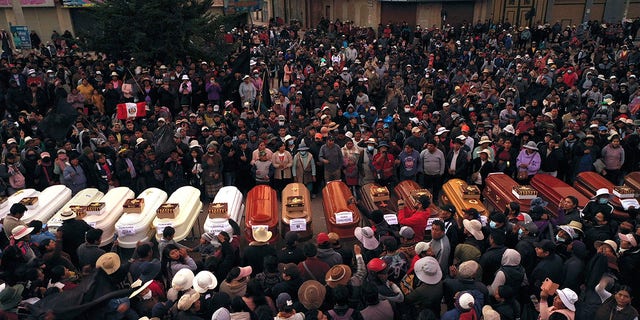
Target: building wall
42, 20
428, 14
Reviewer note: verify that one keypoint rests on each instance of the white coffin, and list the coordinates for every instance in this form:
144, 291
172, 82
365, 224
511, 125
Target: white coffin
49, 201
134, 227
113, 200
235, 208
82, 198
188, 199
15, 198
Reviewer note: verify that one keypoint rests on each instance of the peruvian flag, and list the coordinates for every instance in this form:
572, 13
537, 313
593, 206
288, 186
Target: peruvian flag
131, 110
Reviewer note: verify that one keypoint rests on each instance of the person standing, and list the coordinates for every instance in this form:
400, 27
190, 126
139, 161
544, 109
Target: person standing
74, 176
528, 162
384, 165
304, 167
433, 165
409, 162
282, 161
72, 234
613, 157
331, 158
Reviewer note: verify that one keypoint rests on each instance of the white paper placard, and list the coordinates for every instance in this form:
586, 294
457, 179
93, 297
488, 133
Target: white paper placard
628, 203
258, 226
126, 230
162, 225
344, 217
217, 228
430, 223
92, 224
391, 219
298, 224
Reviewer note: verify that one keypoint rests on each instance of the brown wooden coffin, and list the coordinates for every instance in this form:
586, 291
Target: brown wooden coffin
633, 180
340, 210
453, 194
552, 190
499, 192
262, 209
375, 197
296, 204
409, 191
589, 182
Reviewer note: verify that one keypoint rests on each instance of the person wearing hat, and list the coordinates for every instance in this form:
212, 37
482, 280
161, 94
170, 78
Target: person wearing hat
304, 166
378, 276
72, 234
384, 164
427, 285
311, 295
12, 220
528, 162
258, 249
185, 90
585, 154
564, 303
598, 206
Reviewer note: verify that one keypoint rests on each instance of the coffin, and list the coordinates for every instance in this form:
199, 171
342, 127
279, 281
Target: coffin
553, 190
340, 210
453, 194
81, 199
589, 182
15, 198
409, 191
226, 205
296, 210
113, 201
132, 226
187, 201
633, 180
49, 201
262, 210
375, 197
500, 189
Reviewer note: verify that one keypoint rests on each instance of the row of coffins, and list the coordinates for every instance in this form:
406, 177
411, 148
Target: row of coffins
130, 219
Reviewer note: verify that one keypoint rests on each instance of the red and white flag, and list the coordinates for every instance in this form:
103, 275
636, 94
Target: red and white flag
131, 110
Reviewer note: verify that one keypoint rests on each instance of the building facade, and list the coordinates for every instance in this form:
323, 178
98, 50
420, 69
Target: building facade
44, 16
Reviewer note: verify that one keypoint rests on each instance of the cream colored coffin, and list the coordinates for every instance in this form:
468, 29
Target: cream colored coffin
81, 199
49, 201
133, 226
189, 206
227, 203
15, 198
106, 219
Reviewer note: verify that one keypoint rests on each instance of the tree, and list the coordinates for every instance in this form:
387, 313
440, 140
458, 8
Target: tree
164, 30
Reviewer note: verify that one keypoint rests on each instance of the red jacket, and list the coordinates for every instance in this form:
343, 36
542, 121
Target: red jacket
416, 220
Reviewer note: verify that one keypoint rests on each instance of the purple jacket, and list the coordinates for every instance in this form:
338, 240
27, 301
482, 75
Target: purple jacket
533, 160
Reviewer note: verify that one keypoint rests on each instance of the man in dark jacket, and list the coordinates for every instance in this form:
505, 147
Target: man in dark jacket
72, 232
549, 266
457, 161
491, 260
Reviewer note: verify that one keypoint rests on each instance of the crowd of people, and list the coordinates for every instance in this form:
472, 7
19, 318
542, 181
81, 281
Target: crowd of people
339, 102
